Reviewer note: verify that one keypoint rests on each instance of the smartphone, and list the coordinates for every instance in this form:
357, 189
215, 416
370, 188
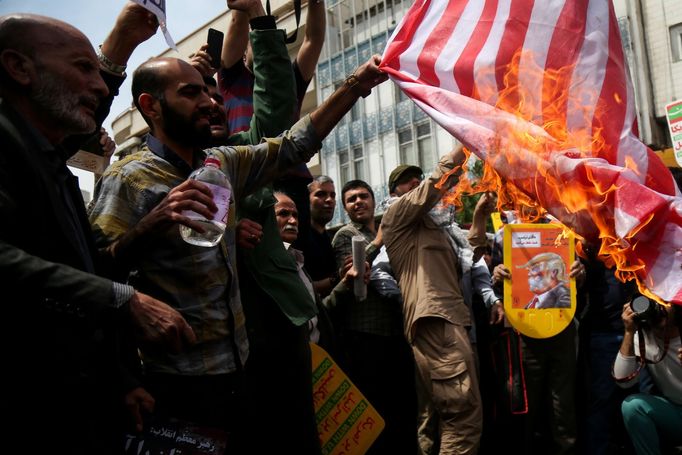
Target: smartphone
215, 46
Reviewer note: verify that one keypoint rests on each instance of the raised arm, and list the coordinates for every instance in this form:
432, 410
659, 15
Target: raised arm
309, 53
625, 365
477, 235
236, 38
134, 25
418, 202
360, 83
274, 94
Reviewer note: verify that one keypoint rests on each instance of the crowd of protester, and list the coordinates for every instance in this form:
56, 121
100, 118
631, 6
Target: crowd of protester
113, 318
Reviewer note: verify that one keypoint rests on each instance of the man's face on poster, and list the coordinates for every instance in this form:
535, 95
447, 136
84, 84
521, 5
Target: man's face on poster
541, 279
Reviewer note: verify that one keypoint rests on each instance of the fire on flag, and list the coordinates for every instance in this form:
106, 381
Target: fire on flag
540, 91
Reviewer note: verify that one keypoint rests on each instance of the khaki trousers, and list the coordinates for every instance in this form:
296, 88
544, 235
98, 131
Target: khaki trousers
450, 400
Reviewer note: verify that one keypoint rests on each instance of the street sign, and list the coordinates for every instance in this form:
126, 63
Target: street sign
673, 113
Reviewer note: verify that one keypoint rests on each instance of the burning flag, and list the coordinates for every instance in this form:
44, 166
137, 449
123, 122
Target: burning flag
540, 91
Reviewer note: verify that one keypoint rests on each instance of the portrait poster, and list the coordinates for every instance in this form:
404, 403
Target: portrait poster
540, 298
346, 422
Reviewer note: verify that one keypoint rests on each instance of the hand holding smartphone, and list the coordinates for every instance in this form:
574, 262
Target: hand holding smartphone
215, 46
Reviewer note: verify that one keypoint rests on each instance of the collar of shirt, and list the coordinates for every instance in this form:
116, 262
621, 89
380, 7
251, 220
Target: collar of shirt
362, 228
163, 151
296, 254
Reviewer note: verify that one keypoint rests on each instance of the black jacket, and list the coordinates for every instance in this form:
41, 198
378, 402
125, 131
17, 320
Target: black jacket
61, 338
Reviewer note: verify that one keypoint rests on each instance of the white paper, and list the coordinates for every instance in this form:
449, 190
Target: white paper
158, 7
359, 286
88, 161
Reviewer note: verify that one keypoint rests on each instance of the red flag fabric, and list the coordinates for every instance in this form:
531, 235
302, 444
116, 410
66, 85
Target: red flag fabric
541, 92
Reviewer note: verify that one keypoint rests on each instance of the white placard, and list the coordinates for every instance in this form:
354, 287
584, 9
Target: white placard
88, 162
158, 7
525, 239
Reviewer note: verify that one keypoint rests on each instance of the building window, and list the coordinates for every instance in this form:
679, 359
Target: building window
355, 110
676, 42
344, 166
351, 166
419, 152
406, 147
359, 163
427, 159
399, 94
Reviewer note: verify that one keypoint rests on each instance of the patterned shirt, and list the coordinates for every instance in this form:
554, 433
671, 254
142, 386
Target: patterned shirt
199, 282
236, 86
376, 315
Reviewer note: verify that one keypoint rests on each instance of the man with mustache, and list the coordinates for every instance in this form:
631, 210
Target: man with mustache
140, 209
65, 324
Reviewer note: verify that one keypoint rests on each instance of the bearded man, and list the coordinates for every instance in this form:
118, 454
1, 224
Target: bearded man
65, 321
140, 209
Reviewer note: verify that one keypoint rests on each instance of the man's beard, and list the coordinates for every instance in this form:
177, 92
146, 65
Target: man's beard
63, 106
183, 130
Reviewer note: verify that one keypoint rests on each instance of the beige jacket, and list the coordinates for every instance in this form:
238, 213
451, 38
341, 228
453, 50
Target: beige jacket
423, 262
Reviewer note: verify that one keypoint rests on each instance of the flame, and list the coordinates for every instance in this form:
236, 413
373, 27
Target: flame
529, 153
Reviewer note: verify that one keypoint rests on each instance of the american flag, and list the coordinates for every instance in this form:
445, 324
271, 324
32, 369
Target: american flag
561, 127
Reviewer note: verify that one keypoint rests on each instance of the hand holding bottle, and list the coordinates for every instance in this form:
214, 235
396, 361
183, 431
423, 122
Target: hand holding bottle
189, 195
211, 228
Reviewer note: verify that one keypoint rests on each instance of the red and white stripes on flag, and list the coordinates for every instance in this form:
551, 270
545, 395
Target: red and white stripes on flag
561, 128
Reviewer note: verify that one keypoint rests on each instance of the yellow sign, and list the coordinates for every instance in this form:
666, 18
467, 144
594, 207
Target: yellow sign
496, 218
346, 422
539, 299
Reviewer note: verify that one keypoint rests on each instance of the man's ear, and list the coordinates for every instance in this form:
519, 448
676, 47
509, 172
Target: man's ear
17, 66
149, 106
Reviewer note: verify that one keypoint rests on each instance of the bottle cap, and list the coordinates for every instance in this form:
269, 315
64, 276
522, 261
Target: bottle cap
212, 161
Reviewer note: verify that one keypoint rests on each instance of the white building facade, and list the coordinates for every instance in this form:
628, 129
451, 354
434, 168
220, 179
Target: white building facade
386, 128
651, 31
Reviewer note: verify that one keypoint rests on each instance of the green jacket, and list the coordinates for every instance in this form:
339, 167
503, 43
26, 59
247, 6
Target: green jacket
274, 90
274, 102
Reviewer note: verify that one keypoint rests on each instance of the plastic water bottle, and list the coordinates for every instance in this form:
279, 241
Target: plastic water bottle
210, 175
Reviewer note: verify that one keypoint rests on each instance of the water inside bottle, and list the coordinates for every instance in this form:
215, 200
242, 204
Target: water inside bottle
213, 233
